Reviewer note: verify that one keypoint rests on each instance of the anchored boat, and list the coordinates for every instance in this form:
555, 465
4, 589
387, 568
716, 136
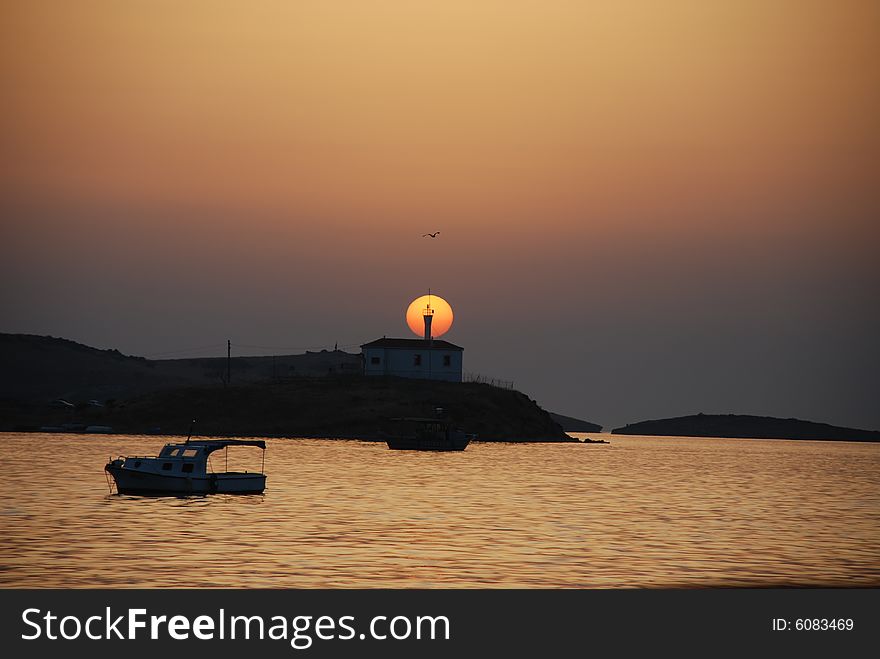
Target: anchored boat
183, 469
430, 435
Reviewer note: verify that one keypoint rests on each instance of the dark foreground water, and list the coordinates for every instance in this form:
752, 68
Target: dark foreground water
641, 512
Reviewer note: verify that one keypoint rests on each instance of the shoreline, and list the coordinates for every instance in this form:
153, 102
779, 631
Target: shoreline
606, 439
348, 438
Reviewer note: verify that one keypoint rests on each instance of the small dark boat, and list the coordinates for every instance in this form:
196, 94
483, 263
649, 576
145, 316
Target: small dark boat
426, 434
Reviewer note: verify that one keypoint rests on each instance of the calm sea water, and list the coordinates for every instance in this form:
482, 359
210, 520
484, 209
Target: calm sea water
641, 512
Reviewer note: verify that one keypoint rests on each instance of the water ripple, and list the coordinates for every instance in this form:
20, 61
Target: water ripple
642, 512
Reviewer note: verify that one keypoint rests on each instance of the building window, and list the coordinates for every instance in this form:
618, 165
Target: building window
374, 360
417, 360
447, 360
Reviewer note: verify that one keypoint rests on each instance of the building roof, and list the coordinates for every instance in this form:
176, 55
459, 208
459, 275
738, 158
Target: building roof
413, 344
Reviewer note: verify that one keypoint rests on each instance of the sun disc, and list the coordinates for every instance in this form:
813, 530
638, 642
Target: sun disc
441, 322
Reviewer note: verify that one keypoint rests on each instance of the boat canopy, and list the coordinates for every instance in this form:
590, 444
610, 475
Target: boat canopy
211, 445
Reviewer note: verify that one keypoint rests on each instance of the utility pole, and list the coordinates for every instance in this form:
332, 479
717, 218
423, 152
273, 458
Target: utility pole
228, 361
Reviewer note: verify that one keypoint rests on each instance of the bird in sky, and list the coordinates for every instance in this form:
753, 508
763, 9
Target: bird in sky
433, 235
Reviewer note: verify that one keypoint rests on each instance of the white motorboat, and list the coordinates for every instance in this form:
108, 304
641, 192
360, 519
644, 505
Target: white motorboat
183, 468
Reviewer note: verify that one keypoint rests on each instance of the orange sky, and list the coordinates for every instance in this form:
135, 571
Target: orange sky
471, 110
583, 160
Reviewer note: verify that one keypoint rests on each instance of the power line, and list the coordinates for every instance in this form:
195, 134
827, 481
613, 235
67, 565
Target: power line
182, 350
220, 346
294, 348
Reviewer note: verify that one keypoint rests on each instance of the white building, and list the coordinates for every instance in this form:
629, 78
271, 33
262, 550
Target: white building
429, 359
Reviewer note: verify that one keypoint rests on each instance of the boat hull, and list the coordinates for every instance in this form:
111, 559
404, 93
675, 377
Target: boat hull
132, 481
427, 444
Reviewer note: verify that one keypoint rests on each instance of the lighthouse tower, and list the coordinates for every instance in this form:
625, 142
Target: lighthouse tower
428, 316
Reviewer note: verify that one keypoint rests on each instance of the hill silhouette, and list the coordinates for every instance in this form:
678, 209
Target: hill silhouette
571, 424
42, 368
333, 407
141, 395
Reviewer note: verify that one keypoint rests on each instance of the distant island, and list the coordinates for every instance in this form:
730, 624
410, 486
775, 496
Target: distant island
570, 424
55, 383
746, 426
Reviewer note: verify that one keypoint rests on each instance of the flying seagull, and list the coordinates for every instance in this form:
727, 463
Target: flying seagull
433, 235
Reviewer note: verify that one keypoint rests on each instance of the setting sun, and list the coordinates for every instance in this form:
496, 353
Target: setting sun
442, 315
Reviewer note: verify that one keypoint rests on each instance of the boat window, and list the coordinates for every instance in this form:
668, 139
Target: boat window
190, 452
374, 360
166, 466
447, 360
169, 452
417, 360
187, 468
